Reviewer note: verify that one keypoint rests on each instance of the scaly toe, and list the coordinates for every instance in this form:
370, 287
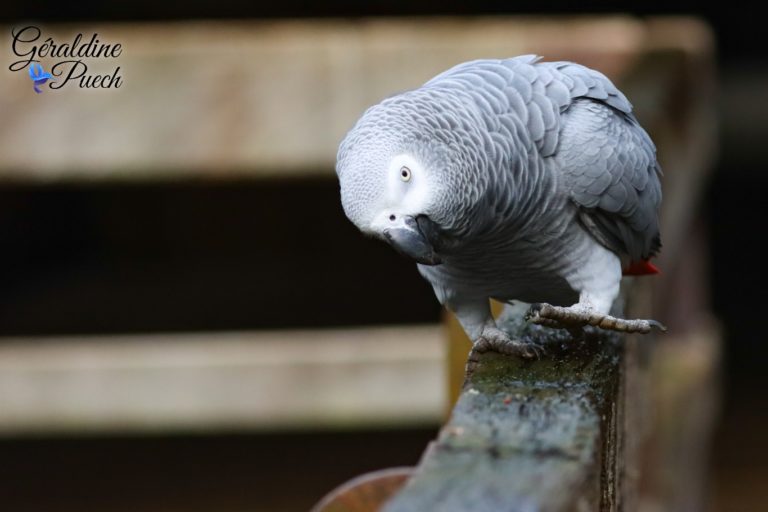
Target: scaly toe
472, 361
496, 340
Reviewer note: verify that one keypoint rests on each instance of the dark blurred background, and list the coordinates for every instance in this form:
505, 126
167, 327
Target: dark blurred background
63, 246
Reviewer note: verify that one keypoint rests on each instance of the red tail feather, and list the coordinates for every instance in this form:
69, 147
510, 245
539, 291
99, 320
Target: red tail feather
641, 268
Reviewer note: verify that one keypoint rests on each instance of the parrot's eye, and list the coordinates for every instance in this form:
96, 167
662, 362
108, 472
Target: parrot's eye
405, 174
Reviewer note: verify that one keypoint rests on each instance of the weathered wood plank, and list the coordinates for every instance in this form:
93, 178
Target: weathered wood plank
528, 435
289, 379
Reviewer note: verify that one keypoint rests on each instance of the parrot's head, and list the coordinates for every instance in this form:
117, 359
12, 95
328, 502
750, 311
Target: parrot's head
398, 180
390, 199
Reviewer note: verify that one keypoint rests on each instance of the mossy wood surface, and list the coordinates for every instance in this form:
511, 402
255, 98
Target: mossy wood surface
528, 435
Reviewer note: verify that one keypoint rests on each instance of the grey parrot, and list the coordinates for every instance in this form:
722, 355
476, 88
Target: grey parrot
512, 179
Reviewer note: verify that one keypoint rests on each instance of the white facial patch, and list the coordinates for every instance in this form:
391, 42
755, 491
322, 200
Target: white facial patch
410, 196
406, 192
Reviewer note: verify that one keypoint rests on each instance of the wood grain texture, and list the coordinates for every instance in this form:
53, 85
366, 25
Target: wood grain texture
251, 380
529, 435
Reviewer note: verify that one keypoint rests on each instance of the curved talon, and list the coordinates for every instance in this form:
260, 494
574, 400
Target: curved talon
532, 351
658, 325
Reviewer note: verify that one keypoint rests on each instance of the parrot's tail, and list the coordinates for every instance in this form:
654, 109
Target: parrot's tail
640, 268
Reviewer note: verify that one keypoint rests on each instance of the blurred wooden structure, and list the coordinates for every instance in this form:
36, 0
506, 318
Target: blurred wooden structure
257, 101
222, 381
623, 427
616, 423
211, 100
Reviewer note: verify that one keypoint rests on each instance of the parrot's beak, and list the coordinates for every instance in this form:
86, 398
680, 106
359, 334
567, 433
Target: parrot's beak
407, 236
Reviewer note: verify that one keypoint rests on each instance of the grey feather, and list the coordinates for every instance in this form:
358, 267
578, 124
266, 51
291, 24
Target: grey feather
622, 215
607, 162
557, 90
535, 122
548, 111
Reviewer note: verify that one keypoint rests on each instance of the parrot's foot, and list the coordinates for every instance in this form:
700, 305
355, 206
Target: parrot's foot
494, 339
576, 316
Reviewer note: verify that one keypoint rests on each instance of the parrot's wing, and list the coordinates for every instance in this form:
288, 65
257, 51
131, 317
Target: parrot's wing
535, 92
608, 163
610, 171
576, 116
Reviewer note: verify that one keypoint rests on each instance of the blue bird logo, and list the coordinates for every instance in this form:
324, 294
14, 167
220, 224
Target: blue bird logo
39, 76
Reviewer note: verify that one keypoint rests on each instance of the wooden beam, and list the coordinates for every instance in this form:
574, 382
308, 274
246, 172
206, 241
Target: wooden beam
290, 379
540, 435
